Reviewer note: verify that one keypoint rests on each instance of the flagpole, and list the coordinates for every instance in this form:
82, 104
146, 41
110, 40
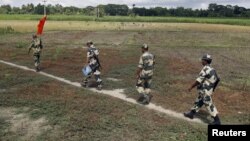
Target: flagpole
44, 10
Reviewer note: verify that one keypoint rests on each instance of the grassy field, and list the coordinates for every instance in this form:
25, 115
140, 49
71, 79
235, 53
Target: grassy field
73, 114
228, 21
24, 26
68, 113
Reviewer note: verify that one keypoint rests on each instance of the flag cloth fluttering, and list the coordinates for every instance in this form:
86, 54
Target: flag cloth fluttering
41, 25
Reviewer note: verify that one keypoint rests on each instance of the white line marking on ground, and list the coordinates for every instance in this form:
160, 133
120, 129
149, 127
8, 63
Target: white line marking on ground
113, 79
118, 93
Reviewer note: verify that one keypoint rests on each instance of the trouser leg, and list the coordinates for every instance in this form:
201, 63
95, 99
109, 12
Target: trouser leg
98, 79
140, 89
197, 105
85, 80
208, 102
147, 88
37, 61
143, 88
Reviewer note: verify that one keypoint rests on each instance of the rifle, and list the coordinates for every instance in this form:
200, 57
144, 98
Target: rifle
216, 83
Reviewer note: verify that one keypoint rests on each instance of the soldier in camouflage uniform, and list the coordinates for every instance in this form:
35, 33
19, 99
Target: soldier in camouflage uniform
37, 47
144, 75
93, 62
206, 84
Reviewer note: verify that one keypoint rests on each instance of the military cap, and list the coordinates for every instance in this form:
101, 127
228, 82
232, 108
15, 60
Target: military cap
145, 46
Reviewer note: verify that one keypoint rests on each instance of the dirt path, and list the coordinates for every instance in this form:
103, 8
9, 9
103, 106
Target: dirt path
117, 93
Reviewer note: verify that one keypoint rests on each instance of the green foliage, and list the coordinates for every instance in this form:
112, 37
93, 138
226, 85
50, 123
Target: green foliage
5, 9
39, 9
213, 10
113, 10
210, 20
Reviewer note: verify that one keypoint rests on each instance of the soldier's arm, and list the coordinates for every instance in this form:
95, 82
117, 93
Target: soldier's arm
199, 80
30, 47
140, 66
196, 83
88, 56
202, 76
138, 72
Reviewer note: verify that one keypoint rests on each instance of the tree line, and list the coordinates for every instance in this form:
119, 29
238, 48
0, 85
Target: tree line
214, 10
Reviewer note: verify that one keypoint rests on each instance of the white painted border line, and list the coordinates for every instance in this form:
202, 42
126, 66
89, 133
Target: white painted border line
118, 93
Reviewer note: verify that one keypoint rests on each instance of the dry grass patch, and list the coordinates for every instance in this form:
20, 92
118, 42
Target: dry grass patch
22, 127
30, 26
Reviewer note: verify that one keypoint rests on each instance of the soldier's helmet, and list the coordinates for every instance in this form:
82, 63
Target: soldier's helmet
145, 46
207, 58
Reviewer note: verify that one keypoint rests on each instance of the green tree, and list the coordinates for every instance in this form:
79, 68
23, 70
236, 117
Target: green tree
161, 11
39, 9
58, 9
5, 9
101, 11
113, 10
239, 11
30, 8
16, 10
90, 11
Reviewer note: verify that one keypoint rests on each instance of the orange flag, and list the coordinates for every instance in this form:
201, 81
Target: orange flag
41, 25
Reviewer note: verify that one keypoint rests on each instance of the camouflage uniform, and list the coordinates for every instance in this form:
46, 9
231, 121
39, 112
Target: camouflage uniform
92, 56
206, 84
146, 63
36, 46
206, 79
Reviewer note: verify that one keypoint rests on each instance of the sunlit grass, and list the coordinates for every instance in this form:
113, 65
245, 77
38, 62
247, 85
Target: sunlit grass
210, 20
31, 26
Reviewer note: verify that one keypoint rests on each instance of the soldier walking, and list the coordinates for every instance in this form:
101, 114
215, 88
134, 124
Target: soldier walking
36, 46
94, 64
206, 84
144, 75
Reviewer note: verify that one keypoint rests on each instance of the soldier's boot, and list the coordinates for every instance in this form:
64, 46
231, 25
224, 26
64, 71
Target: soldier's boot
190, 114
37, 65
216, 121
145, 100
150, 97
84, 83
140, 98
37, 69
